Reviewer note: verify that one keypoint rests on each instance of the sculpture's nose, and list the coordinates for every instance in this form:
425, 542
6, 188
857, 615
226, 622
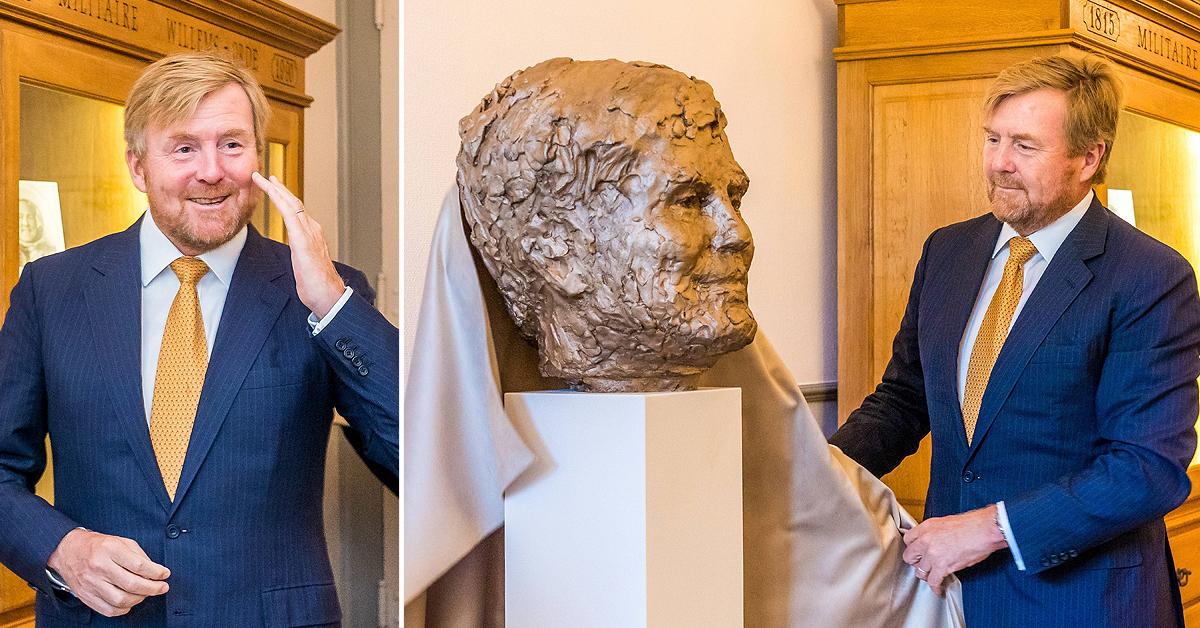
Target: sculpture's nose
733, 234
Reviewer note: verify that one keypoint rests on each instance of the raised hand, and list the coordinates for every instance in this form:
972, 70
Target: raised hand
110, 574
317, 282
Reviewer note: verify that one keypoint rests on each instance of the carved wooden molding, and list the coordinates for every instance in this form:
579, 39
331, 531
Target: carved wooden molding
269, 37
962, 44
264, 20
1161, 37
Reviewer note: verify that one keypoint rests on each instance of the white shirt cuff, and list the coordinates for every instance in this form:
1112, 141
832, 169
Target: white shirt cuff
1002, 519
318, 325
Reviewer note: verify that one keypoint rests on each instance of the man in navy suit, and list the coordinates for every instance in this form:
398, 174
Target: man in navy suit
1060, 390
231, 533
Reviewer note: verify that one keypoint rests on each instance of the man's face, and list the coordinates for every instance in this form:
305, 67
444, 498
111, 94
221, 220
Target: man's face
1032, 179
681, 240
196, 173
30, 224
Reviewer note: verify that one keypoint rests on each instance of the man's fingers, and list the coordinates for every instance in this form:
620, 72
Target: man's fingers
912, 534
281, 203
914, 552
282, 198
922, 572
133, 559
937, 581
97, 604
113, 600
137, 585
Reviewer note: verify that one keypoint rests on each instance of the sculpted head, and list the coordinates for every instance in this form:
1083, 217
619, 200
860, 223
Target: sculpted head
604, 200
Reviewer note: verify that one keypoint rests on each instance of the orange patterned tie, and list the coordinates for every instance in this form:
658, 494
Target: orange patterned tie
180, 375
994, 330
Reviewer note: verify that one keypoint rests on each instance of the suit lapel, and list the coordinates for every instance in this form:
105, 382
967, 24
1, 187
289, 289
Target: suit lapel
114, 303
251, 308
1061, 283
965, 270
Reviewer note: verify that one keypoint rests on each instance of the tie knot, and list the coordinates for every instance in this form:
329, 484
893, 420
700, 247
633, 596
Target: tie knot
1020, 249
189, 270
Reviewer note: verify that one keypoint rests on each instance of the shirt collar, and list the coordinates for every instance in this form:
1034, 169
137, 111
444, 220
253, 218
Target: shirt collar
1048, 239
158, 252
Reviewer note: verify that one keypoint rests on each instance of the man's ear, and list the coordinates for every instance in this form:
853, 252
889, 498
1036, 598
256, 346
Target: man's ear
137, 170
1091, 160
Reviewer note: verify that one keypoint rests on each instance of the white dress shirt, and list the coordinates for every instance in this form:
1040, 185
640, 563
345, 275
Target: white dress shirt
1047, 240
160, 284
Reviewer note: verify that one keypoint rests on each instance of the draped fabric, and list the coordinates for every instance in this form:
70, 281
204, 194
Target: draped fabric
822, 537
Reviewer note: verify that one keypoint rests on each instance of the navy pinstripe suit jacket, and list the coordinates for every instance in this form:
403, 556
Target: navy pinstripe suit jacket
1086, 426
244, 538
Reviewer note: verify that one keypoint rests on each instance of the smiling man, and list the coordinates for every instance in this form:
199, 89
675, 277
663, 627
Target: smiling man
1050, 349
186, 371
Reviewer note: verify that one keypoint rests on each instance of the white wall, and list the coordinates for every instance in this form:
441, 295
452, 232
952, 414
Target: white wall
771, 66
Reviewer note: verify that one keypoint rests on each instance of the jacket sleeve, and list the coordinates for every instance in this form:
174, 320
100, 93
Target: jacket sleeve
363, 350
31, 528
1146, 408
891, 421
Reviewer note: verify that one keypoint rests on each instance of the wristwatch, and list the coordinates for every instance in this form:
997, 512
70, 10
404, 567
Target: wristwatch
57, 582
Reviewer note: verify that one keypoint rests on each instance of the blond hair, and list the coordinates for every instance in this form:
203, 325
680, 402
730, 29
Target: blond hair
170, 89
1093, 98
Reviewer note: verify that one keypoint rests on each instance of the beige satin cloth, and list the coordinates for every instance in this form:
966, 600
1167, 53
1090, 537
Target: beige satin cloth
822, 537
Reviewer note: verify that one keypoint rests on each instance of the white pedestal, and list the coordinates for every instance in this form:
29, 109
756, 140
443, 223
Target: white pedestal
632, 514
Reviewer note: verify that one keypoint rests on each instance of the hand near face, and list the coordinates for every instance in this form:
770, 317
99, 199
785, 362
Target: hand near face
940, 546
317, 282
110, 574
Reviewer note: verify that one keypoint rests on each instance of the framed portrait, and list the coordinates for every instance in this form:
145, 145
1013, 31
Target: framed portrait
40, 215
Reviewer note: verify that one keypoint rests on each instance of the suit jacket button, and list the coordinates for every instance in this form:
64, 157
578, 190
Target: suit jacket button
362, 370
1072, 554
968, 476
349, 353
340, 345
357, 361
172, 531
1045, 562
